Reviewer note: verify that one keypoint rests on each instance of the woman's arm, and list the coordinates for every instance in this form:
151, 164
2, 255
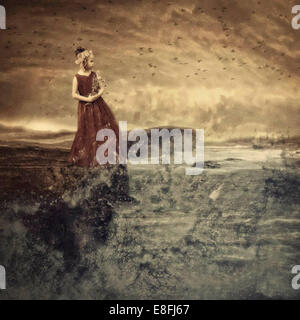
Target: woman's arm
76, 95
97, 95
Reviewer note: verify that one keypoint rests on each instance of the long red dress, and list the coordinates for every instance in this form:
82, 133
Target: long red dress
91, 118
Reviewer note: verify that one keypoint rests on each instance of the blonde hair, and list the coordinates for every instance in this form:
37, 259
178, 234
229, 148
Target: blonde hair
85, 63
82, 56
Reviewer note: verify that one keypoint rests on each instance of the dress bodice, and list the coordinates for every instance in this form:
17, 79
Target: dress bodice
87, 84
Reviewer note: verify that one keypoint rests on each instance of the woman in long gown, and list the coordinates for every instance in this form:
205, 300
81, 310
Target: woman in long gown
93, 113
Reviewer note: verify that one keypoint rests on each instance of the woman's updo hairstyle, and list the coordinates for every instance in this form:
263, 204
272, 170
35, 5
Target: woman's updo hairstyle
82, 57
79, 50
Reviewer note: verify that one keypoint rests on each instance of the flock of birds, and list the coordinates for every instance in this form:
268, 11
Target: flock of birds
37, 42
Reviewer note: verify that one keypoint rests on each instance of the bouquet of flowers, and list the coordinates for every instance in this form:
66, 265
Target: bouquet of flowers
98, 81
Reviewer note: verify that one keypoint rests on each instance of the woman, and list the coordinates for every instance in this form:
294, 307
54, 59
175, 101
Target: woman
93, 113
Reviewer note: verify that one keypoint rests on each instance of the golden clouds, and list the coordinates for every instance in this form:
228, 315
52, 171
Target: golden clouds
227, 66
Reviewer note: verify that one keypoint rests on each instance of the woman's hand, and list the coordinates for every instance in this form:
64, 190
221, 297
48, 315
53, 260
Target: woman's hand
95, 97
90, 98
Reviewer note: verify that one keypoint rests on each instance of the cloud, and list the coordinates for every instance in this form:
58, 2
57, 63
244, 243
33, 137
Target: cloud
227, 66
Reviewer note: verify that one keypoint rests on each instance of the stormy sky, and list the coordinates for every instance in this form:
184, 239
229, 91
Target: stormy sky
230, 67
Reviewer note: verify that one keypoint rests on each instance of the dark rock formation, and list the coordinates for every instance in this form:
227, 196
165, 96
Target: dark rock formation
73, 206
